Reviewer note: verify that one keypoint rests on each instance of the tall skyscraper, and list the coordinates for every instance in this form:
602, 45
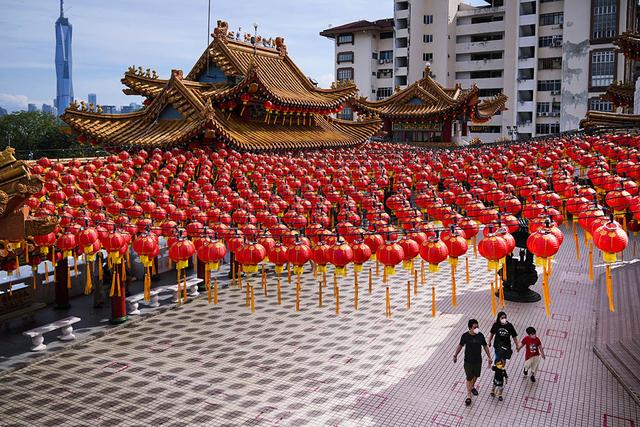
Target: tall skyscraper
93, 99
64, 90
31, 108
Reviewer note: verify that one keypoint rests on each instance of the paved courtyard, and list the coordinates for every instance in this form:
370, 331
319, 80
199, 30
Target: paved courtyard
205, 364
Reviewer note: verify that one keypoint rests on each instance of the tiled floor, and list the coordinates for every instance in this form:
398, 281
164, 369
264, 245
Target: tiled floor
201, 364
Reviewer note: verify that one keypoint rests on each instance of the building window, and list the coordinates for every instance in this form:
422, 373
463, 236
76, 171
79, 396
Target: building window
386, 55
489, 92
547, 128
385, 74
484, 37
604, 19
552, 18
346, 114
549, 85
602, 68
489, 74
345, 74
402, 42
384, 92
550, 63
427, 57
598, 104
428, 19
550, 41
427, 38
345, 39
374, 55
345, 57
543, 107
386, 35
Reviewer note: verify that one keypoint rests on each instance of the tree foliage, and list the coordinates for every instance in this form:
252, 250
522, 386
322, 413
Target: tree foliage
37, 134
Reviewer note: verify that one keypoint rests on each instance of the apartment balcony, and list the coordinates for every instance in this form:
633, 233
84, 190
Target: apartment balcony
525, 127
484, 27
528, 19
486, 64
482, 83
400, 14
527, 63
402, 33
524, 106
401, 51
527, 41
526, 84
480, 11
469, 47
401, 71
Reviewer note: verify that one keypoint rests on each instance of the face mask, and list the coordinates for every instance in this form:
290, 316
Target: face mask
476, 330
503, 321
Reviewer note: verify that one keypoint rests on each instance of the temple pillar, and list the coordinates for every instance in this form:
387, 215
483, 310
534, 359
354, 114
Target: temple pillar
119, 303
62, 282
200, 272
465, 128
446, 131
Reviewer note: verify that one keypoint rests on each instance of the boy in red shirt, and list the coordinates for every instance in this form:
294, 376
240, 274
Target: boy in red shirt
533, 352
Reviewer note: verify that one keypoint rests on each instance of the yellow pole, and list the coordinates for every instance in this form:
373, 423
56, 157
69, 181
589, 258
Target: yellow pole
454, 301
408, 294
609, 281
247, 298
253, 300
289, 272
336, 292
415, 282
370, 279
319, 294
433, 301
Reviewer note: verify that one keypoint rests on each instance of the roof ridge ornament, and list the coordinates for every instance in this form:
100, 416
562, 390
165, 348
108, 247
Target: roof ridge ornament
221, 32
281, 47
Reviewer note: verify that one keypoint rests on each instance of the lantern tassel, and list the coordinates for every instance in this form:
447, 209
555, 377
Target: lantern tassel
88, 284
575, 237
433, 301
370, 279
355, 290
100, 273
147, 284
278, 288
454, 301
35, 273
609, 281
466, 266
113, 285
215, 290
298, 292
388, 303
184, 286
590, 262
179, 286
68, 277
207, 283
493, 300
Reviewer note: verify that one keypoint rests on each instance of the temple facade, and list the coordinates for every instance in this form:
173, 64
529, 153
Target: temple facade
243, 91
426, 113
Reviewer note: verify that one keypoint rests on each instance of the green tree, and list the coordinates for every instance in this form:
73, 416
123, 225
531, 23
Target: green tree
37, 134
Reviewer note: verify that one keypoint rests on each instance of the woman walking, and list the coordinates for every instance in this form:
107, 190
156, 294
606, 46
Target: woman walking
503, 332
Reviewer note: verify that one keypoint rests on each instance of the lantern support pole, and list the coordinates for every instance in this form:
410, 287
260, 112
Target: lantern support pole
298, 292
319, 294
433, 301
355, 290
278, 288
466, 266
388, 303
370, 279
408, 294
415, 282
609, 281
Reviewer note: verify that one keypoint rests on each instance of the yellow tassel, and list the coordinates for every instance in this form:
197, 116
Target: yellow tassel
113, 285
590, 261
75, 265
609, 282
493, 300
466, 265
88, 285
433, 301
100, 273
68, 277
454, 301
26, 251
128, 259
34, 272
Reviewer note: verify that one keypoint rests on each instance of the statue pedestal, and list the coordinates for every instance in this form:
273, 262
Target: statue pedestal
521, 274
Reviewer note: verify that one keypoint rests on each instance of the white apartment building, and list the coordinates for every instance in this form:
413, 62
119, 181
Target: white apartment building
553, 58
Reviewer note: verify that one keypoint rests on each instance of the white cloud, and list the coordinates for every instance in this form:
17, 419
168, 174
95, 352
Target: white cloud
325, 80
17, 102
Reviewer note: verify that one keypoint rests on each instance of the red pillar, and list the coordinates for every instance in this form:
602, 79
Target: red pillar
119, 303
446, 131
62, 282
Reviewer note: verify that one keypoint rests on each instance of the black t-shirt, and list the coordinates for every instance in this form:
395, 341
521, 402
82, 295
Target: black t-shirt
472, 347
503, 334
499, 376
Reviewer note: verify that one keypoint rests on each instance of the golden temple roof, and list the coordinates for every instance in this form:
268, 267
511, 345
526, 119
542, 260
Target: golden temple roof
595, 119
426, 99
629, 43
283, 108
620, 94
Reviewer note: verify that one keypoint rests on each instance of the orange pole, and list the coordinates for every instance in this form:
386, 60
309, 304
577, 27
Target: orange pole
388, 303
408, 294
278, 288
415, 282
319, 294
433, 301
370, 279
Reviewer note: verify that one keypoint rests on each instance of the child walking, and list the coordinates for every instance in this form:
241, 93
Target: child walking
533, 352
499, 379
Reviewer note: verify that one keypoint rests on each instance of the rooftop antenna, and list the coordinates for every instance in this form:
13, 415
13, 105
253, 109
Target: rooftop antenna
61, 8
255, 39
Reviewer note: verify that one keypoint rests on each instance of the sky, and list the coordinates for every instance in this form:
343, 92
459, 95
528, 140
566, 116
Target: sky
109, 36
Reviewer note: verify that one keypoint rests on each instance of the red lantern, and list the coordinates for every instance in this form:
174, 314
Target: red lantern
610, 238
434, 251
493, 248
66, 243
341, 254
278, 256
87, 238
544, 245
211, 252
298, 254
411, 250
361, 254
390, 254
250, 255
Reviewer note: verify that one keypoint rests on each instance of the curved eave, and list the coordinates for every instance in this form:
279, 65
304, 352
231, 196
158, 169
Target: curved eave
595, 119
487, 108
621, 95
629, 43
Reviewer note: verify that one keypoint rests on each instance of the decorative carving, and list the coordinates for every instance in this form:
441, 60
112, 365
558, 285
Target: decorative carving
154, 74
7, 156
177, 74
4, 199
131, 69
73, 106
221, 31
280, 46
38, 226
99, 109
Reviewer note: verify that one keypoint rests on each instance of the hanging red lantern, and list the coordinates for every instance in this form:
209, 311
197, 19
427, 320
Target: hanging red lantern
493, 248
250, 255
390, 254
434, 251
298, 255
361, 254
341, 254
278, 256
411, 250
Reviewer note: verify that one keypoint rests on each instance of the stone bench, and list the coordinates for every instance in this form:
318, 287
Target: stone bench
192, 288
65, 325
134, 300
